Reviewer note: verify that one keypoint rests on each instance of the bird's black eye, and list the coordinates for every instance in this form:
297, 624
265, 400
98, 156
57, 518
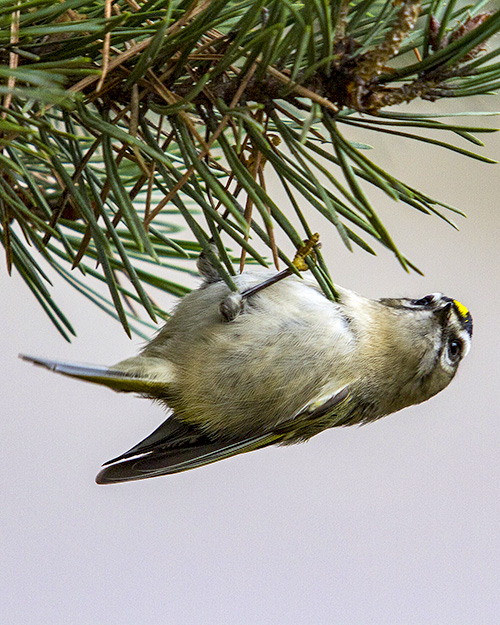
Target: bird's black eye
455, 347
424, 301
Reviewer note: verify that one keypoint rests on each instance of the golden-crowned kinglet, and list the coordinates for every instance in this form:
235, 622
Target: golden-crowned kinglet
285, 367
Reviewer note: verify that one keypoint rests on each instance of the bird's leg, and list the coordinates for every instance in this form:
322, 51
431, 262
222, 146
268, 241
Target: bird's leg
231, 307
299, 262
205, 265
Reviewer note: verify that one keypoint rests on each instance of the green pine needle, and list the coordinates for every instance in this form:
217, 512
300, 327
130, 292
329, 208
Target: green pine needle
130, 143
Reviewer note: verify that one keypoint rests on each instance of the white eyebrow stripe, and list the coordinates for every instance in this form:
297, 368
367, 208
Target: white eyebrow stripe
466, 339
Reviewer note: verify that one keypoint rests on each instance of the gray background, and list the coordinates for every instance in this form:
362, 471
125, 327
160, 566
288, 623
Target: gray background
396, 522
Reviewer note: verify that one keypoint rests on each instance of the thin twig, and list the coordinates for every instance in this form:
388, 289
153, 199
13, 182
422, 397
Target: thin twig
205, 152
13, 59
105, 46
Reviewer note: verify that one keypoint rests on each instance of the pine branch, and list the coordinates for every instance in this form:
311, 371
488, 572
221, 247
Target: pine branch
125, 123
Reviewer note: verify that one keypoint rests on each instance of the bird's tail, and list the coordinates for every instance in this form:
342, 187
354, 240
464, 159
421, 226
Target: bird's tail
123, 381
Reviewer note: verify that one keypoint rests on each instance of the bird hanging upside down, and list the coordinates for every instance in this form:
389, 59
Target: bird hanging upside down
286, 364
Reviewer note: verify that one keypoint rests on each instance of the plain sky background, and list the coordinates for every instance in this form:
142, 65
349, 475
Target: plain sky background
395, 523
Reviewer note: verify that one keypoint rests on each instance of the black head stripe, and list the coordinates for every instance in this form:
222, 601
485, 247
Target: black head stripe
462, 313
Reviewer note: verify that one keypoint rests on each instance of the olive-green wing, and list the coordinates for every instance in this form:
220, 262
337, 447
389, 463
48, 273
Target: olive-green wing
176, 447
167, 461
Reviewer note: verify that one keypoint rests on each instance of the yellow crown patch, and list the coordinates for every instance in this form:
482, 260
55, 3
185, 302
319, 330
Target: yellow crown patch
461, 308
